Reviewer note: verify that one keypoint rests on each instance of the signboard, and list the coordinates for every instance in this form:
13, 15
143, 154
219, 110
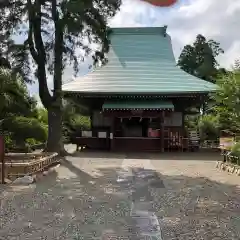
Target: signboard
173, 119
226, 143
161, 3
137, 112
99, 120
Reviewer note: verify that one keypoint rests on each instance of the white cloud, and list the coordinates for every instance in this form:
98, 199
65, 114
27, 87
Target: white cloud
213, 18
217, 19
232, 53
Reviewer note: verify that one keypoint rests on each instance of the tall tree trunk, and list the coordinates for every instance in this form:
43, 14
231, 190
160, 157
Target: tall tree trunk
53, 103
54, 141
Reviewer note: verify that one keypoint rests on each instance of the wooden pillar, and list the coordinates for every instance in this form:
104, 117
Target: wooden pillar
2, 159
91, 120
184, 135
112, 133
162, 130
183, 119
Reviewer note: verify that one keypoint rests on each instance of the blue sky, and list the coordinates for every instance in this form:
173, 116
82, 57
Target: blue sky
217, 19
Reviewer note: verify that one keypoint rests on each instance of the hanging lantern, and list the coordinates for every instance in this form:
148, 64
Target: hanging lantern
161, 3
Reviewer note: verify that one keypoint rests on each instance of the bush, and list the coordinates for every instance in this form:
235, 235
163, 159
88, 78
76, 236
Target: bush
80, 122
32, 142
208, 128
191, 122
9, 142
22, 128
74, 125
235, 151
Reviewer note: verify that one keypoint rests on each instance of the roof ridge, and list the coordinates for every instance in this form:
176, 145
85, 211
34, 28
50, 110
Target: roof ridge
139, 30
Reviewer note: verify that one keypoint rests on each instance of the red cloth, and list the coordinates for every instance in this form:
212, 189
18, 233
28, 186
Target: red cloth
153, 133
161, 3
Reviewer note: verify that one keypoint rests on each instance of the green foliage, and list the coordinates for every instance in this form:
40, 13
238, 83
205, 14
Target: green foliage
78, 122
208, 127
32, 141
15, 100
69, 30
236, 65
191, 122
236, 149
73, 120
22, 128
14, 97
235, 152
42, 115
9, 142
8, 89
199, 59
227, 100
56, 33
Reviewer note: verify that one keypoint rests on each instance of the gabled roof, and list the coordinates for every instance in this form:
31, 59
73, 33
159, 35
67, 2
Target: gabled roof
140, 61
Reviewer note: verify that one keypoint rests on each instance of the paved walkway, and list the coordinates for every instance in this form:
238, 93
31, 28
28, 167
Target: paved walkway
132, 196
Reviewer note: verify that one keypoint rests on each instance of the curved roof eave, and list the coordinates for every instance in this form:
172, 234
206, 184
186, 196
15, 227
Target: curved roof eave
141, 60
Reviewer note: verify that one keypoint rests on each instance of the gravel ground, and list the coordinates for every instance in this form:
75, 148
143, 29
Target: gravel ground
92, 197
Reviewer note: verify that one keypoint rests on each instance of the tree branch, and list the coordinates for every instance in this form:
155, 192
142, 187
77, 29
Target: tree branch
36, 23
58, 50
30, 42
35, 19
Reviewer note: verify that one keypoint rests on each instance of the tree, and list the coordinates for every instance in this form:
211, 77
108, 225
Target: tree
74, 120
42, 115
56, 32
23, 128
236, 65
14, 98
4, 63
199, 59
18, 114
227, 100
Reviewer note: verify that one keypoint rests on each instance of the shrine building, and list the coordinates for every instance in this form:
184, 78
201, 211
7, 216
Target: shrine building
138, 100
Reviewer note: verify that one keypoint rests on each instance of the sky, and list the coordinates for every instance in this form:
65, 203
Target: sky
215, 19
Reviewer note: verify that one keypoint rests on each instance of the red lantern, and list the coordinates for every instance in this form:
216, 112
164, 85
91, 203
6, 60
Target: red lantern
161, 3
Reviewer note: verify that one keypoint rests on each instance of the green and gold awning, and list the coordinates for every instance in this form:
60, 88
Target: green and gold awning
138, 105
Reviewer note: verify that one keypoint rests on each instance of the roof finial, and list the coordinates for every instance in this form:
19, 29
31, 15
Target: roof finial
165, 30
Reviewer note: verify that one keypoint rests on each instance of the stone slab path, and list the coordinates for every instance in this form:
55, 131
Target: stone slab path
126, 196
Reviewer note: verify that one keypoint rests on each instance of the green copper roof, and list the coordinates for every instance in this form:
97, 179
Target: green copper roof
141, 60
138, 105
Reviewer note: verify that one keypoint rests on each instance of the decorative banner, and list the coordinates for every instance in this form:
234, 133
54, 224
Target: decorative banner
161, 3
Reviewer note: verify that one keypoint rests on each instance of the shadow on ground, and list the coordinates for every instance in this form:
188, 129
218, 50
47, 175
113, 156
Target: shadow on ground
86, 205
202, 155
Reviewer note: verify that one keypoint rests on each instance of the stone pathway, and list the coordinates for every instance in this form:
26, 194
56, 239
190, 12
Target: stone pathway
94, 196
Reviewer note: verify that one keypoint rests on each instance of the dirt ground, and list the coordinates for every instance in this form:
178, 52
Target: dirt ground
95, 195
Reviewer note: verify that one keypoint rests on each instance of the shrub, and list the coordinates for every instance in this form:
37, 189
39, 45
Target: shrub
9, 142
235, 151
208, 128
32, 141
74, 125
22, 128
80, 122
